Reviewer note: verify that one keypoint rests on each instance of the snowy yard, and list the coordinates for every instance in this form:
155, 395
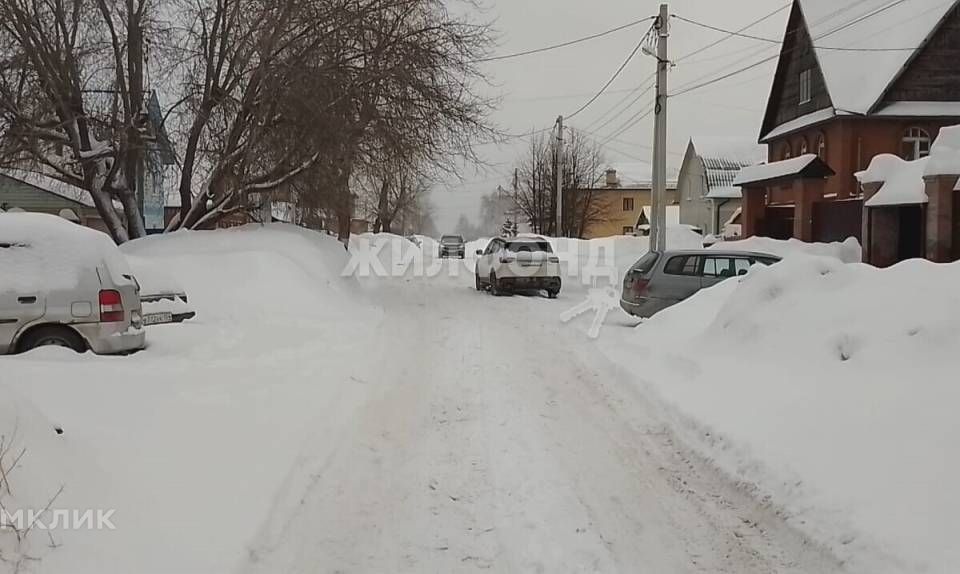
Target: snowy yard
799, 421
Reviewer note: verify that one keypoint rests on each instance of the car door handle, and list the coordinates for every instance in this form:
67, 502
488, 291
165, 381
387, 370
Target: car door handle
27, 300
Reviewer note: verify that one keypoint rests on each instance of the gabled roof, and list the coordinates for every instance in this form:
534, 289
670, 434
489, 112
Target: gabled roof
863, 46
722, 159
807, 166
885, 36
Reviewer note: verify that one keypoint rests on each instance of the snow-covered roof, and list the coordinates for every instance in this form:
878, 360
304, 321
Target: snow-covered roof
725, 192
50, 185
886, 35
902, 181
804, 121
776, 170
945, 153
723, 158
920, 109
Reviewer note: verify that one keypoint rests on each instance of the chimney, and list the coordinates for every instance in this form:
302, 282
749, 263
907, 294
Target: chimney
612, 179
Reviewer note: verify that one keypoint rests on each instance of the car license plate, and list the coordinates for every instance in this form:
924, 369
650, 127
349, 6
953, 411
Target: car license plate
157, 319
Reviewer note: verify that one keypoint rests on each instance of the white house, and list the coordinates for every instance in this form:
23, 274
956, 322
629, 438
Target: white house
705, 187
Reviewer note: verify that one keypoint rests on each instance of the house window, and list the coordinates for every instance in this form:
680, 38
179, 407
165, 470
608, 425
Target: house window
787, 153
627, 230
803, 147
822, 147
805, 86
915, 144
628, 204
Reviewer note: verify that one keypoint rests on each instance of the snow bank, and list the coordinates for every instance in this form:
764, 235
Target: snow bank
197, 437
831, 387
848, 251
42, 251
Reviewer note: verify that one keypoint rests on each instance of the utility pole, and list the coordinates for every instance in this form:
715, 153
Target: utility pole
559, 176
658, 226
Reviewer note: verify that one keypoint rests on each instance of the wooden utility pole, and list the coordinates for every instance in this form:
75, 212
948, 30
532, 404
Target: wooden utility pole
559, 232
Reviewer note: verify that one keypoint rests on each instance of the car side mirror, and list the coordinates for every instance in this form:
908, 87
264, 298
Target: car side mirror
742, 272
479, 251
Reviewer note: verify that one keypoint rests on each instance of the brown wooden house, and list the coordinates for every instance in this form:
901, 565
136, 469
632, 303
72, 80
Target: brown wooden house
856, 78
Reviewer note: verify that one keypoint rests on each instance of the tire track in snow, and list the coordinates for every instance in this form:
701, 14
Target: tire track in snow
495, 445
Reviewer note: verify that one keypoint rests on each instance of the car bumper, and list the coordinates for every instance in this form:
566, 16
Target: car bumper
452, 253
549, 283
645, 308
104, 340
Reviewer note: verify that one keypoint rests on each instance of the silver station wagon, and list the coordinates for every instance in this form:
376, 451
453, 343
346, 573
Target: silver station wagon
662, 279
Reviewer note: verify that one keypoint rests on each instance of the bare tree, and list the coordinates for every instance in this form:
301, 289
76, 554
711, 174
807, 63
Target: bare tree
72, 98
325, 89
536, 194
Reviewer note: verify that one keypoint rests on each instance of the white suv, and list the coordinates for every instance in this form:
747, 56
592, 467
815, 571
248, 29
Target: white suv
518, 263
65, 285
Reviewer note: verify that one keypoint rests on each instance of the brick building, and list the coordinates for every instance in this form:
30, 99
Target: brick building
855, 79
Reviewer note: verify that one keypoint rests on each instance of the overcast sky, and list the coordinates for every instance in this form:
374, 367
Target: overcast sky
536, 89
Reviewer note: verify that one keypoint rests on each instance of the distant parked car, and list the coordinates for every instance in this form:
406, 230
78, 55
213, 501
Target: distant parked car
65, 285
516, 264
660, 280
452, 246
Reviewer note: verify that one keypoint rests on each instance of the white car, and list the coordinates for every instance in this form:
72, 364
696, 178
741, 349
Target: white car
518, 263
65, 285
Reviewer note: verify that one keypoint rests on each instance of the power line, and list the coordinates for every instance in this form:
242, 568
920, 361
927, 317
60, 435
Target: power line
564, 44
691, 87
642, 89
731, 34
616, 75
625, 109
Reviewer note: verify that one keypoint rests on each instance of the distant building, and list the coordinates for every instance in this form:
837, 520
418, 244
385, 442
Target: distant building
708, 198
34, 192
876, 77
626, 189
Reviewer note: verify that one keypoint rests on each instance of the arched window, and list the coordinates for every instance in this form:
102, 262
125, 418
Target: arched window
822, 147
803, 146
787, 153
915, 144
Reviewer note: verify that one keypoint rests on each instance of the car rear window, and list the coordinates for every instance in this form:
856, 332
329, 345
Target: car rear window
683, 265
646, 263
529, 247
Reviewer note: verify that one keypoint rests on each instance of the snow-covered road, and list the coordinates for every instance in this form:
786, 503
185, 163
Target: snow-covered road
498, 439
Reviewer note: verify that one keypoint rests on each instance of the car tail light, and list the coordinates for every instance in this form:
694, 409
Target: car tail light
640, 287
554, 259
111, 307
507, 258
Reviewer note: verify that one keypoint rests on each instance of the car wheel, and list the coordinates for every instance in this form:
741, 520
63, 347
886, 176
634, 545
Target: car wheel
495, 285
552, 294
52, 336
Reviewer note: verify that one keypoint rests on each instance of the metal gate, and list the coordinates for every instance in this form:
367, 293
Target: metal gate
838, 220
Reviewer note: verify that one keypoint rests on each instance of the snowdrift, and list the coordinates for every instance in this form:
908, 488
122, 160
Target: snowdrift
848, 252
161, 436
833, 388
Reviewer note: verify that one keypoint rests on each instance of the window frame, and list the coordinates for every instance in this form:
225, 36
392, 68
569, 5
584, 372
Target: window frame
916, 137
822, 146
631, 202
806, 86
